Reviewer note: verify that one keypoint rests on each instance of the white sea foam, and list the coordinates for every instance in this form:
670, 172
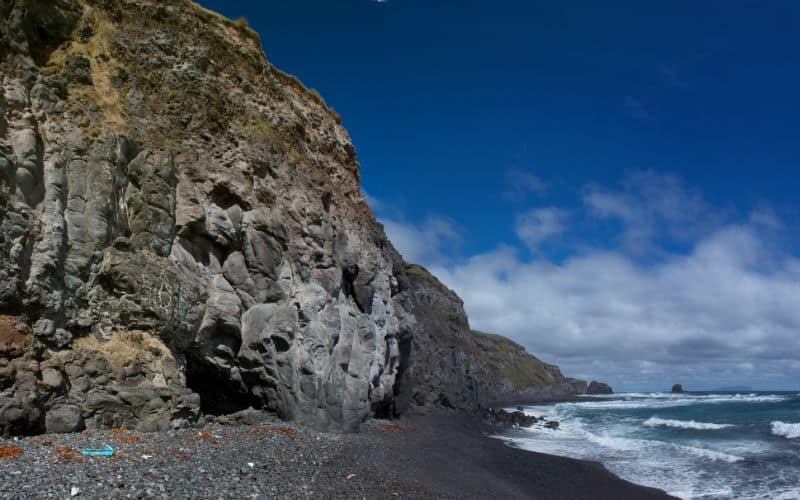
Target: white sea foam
683, 424
707, 467
744, 398
614, 442
789, 431
634, 401
787, 494
712, 454
650, 446
632, 404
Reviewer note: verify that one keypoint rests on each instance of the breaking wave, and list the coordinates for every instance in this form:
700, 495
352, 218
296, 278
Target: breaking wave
695, 445
656, 400
712, 454
789, 431
684, 424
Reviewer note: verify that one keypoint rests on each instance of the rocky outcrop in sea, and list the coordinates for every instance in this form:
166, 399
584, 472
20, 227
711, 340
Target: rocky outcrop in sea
596, 387
182, 233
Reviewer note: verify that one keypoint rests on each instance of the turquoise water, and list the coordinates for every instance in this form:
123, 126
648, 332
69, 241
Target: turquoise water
694, 445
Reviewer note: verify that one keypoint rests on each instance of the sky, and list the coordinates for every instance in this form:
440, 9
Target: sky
611, 184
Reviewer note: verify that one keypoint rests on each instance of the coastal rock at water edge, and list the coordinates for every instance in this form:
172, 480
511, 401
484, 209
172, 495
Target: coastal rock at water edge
596, 387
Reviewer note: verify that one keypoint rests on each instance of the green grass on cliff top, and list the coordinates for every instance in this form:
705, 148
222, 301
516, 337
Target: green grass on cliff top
512, 362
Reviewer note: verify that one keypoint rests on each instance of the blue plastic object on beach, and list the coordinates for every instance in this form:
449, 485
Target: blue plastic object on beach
105, 451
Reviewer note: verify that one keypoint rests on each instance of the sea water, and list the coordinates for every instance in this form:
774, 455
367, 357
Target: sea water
693, 445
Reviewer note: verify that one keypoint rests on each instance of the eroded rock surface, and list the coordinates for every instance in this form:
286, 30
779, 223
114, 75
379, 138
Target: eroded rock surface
596, 387
182, 232
445, 364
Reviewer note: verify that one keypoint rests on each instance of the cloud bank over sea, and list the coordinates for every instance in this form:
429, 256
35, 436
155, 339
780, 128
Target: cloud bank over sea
686, 292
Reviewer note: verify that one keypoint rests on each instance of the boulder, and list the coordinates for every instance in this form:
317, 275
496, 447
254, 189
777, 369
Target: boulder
502, 418
52, 378
677, 389
63, 419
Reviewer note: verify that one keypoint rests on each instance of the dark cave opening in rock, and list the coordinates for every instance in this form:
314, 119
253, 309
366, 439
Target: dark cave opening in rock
385, 410
281, 344
218, 394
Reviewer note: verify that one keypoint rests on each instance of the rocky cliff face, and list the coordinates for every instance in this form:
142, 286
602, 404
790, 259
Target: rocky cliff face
182, 232
445, 364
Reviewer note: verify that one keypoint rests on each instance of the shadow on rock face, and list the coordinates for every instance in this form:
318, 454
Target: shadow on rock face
48, 23
219, 394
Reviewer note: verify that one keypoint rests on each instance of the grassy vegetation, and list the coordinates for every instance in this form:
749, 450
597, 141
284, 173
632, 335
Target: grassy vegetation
240, 24
97, 49
512, 362
124, 347
105, 38
260, 131
295, 82
11, 337
417, 271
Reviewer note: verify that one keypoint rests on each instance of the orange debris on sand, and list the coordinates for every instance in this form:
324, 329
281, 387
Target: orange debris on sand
258, 429
10, 451
127, 439
205, 436
67, 454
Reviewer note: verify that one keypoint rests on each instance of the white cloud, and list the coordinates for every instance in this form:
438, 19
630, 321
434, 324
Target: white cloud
766, 217
424, 244
723, 312
535, 226
713, 309
374, 203
652, 206
521, 183
428, 243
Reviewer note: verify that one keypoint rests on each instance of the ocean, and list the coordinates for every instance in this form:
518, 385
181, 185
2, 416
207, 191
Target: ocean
692, 445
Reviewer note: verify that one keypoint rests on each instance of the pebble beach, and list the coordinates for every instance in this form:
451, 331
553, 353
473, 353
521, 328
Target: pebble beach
417, 457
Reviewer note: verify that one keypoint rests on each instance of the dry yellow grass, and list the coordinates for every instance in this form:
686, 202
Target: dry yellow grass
124, 346
97, 49
11, 337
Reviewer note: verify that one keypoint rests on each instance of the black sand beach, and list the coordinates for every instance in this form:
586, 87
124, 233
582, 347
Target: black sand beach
417, 457
452, 456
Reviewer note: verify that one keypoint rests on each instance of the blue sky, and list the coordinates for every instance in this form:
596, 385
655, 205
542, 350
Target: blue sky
614, 186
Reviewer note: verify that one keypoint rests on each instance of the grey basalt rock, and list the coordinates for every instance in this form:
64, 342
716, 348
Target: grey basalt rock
166, 266
63, 419
446, 365
596, 387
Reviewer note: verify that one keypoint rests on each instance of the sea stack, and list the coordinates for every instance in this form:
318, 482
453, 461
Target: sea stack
596, 387
677, 389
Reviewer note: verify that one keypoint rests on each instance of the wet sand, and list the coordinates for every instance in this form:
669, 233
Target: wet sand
453, 456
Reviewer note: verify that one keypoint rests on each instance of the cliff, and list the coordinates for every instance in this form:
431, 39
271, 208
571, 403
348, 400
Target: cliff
183, 232
446, 364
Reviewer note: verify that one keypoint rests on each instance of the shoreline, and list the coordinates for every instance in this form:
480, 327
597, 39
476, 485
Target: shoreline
454, 456
419, 456
555, 400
